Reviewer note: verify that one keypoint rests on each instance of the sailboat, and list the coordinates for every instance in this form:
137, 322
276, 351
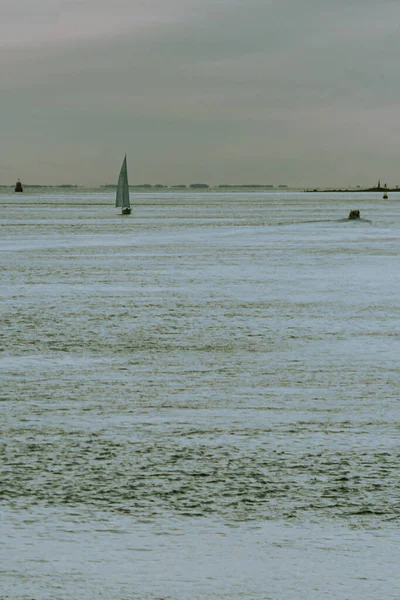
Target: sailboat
385, 194
122, 197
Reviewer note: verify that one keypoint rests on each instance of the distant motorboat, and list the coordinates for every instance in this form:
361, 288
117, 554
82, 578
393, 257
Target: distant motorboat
18, 186
122, 196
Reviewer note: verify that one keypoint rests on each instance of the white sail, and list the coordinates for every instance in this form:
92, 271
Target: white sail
122, 197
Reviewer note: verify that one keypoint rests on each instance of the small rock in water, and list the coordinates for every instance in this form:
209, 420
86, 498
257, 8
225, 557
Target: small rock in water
354, 214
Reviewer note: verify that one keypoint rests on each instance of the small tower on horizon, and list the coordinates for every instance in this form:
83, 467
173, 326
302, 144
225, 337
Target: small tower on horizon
379, 184
18, 186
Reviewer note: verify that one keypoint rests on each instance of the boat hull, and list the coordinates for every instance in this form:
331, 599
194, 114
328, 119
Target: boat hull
126, 211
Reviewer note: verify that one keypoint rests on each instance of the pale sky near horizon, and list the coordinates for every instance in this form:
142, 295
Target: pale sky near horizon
217, 91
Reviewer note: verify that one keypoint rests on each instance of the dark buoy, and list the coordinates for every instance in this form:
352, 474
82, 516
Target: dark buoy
18, 186
354, 214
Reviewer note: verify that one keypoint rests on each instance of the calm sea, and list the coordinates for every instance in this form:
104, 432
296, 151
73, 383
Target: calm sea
200, 401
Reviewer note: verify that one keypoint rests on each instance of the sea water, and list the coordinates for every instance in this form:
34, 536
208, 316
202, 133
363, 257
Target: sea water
200, 400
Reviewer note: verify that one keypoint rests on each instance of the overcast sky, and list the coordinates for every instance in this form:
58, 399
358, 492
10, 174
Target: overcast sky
219, 91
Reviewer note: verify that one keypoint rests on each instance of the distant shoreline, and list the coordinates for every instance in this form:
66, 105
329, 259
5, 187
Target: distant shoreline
352, 190
197, 187
159, 187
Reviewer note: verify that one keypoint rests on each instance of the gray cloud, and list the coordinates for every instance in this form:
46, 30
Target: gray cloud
221, 91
